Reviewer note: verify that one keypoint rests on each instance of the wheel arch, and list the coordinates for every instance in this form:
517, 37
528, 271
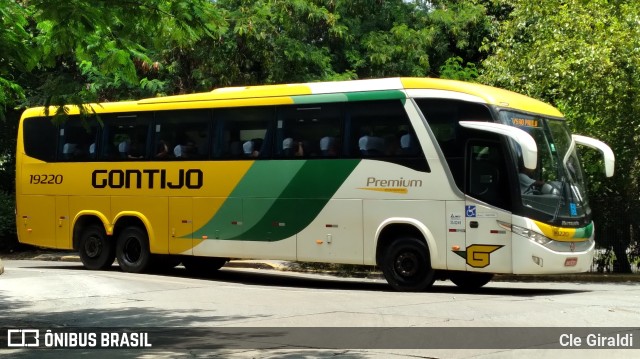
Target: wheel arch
393, 228
126, 219
87, 218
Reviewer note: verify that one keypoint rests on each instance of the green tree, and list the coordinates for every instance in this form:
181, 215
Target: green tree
92, 50
16, 56
583, 56
285, 41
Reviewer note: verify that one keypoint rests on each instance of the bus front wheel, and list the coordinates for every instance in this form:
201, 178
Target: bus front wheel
96, 251
406, 265
132, 250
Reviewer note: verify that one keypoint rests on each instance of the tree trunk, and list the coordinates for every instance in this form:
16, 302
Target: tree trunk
621, 264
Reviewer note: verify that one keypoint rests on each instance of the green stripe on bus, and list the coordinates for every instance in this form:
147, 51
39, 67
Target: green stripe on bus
584, 232
252, 214
376, 95
263, 184
350, 96
325, 98
302, 200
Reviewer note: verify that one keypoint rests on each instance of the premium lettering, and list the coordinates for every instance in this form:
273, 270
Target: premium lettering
151, 178
401, 182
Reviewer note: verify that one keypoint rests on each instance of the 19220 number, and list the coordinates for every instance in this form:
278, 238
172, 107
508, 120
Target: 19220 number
45, 179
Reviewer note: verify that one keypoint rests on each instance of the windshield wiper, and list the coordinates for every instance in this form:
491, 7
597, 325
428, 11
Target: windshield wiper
561, 201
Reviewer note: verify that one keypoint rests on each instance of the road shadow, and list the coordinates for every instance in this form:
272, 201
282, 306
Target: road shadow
277, 278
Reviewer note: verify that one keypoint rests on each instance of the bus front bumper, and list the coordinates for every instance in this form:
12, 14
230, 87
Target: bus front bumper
533, 258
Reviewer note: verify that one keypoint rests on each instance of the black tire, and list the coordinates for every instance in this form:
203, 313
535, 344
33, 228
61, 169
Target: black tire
97, 252
470, 280
203, 265
406, 265
132, 250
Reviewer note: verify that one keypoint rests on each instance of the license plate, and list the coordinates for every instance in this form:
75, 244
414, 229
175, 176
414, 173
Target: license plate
571, 262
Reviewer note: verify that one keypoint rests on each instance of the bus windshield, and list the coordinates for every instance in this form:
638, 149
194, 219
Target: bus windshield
556, 186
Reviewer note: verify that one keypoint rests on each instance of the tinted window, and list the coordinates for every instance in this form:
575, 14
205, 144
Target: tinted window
40, 138
309, 131
126, 137
77, 139
487, 180
181, 135
382, 130
443, 117
242, 132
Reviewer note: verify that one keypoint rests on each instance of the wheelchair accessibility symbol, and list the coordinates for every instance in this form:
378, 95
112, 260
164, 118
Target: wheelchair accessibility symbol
470, 211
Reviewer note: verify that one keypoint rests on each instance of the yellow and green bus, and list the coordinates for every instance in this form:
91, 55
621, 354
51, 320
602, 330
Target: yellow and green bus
425, 178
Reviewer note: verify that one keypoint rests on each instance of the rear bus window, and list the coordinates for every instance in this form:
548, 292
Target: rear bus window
39, 135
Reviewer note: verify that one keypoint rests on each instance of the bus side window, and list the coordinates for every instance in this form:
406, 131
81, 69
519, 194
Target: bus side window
443, 116
182, 135
125, 137
487, 173
381, 130
309, 131
76, 138
243, 132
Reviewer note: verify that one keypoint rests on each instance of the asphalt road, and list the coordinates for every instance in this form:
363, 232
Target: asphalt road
64, 296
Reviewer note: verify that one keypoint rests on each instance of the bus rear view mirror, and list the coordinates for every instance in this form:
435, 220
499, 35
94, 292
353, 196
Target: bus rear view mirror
607, 153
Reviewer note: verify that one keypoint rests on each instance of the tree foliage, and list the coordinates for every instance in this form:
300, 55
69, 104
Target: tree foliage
16, 56
300, 40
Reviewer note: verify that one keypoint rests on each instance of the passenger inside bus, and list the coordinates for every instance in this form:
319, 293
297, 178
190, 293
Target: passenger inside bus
123, 147
136, 149
371, 145
162, 151
328, 146
249, 149
527, 182
186, 150
291, 148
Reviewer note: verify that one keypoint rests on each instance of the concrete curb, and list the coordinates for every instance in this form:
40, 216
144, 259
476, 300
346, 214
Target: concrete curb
1, 267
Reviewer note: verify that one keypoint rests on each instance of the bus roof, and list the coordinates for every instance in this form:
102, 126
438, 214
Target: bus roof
316, 92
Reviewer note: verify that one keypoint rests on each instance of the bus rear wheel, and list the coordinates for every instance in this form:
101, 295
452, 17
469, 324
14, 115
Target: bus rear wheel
96, 251
203, 265
406, 265
470, 280
132, 250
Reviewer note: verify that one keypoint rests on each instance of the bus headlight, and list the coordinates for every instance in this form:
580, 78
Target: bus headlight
532, 235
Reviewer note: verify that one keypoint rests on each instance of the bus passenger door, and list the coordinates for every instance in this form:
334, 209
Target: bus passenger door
180, 225
488, 235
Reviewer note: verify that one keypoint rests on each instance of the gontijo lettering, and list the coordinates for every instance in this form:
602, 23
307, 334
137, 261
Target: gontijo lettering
150, 178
